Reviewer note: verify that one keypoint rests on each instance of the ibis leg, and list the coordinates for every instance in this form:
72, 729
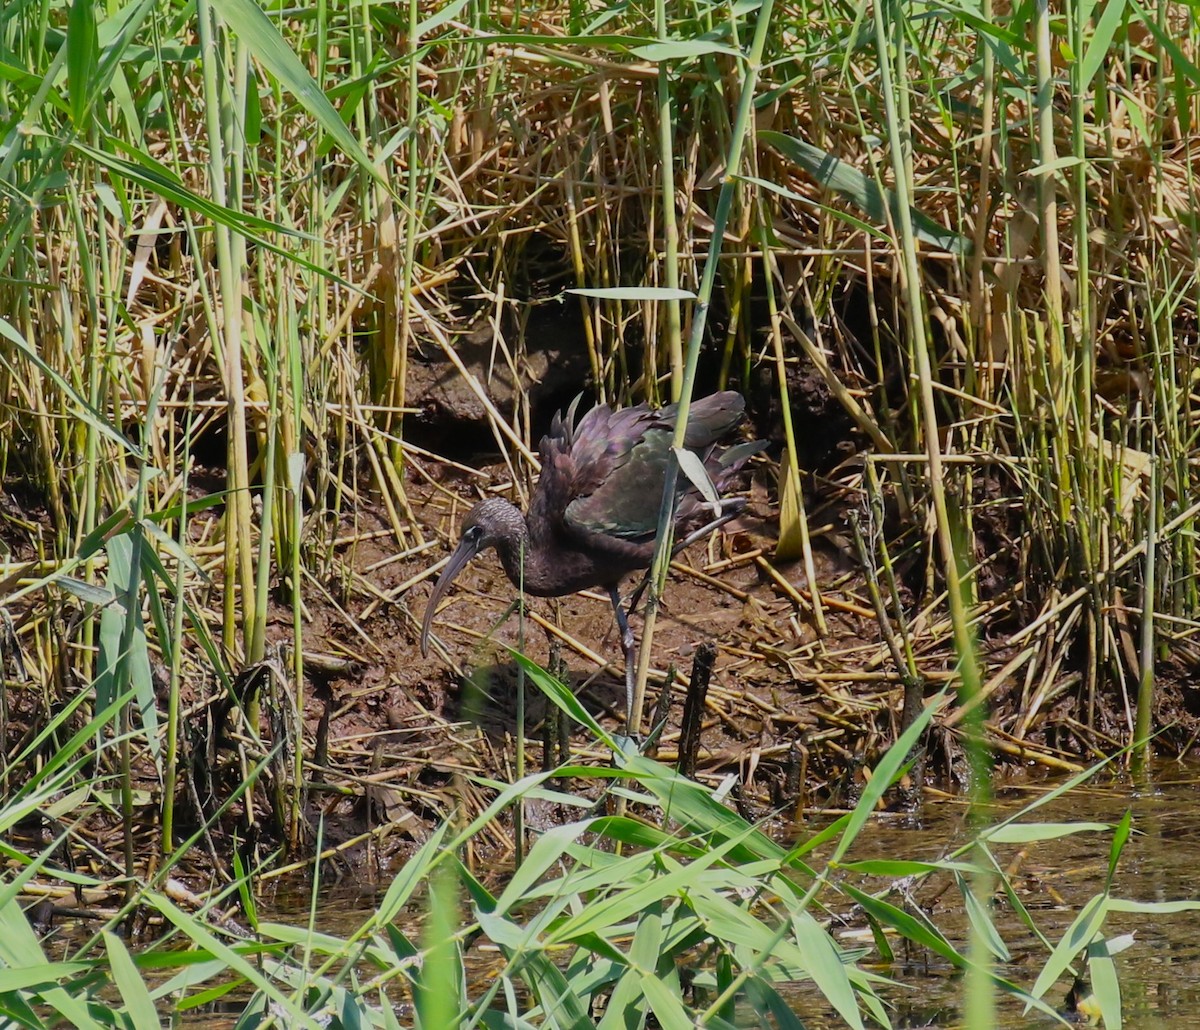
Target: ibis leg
627, 647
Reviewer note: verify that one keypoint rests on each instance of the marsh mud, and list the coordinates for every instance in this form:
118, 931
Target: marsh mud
800, 713
800, 706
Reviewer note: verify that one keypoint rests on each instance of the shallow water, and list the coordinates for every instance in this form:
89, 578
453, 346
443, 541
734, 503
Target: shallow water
1160, 973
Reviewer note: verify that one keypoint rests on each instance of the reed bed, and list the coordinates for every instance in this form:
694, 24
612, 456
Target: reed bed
949, 253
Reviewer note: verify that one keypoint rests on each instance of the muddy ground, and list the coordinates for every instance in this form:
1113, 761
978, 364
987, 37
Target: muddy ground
799, 707
795, 713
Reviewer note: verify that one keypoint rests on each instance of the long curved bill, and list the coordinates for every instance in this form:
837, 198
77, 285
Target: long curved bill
463, 553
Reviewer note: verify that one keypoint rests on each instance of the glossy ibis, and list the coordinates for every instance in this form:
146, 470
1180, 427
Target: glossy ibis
594, 512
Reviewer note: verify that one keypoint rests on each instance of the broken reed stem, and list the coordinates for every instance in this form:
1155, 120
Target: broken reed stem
661, 712
693, 707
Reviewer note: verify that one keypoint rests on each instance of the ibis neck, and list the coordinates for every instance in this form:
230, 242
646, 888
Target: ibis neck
531, 562
513, 548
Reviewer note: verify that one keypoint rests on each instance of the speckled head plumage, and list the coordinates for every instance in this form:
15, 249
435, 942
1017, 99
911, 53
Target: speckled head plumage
492, 522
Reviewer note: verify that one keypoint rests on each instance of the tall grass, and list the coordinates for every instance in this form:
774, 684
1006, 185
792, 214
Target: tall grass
697, 891
1065, 398
225, 227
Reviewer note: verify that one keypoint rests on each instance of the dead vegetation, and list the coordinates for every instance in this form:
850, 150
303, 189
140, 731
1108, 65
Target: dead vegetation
391, 344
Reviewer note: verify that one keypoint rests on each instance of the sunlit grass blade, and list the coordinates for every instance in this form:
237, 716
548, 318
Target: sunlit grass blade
206, 941
252, 25
1029, 833
560, 695
441, 981
1106, 987
83, 408
861, 190
1077, 937
982, 923
630, 993
826, 966
134, 994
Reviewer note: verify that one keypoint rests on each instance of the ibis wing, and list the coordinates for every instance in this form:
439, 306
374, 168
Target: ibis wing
710, 419
625, 502
578, 459
606, 474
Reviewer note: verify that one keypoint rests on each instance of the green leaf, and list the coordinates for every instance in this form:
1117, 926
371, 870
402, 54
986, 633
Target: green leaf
1120, 838
667, 1006
124, 653
634, 833
627, 1002
764, 998
437, 990
1027, 833
83, 57
897, 868
153, 176
1179, 59
245, 890
153, 566
562, 696
907, 925
981, 921
1059, 790
439, 18
138, 1004
819, 838
67, 757
1152, 908
1106, 988
699, 813
413, 875
1057, 165
563, 1005
861, 190
290, 1012
550, 848
675, 49
83, 410
692, 467
1097, 48
790, 544
89, 593
249, 23
27, 977
994, 30
19, 945
1078, 936
117, 35
827, 968
74, 1009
